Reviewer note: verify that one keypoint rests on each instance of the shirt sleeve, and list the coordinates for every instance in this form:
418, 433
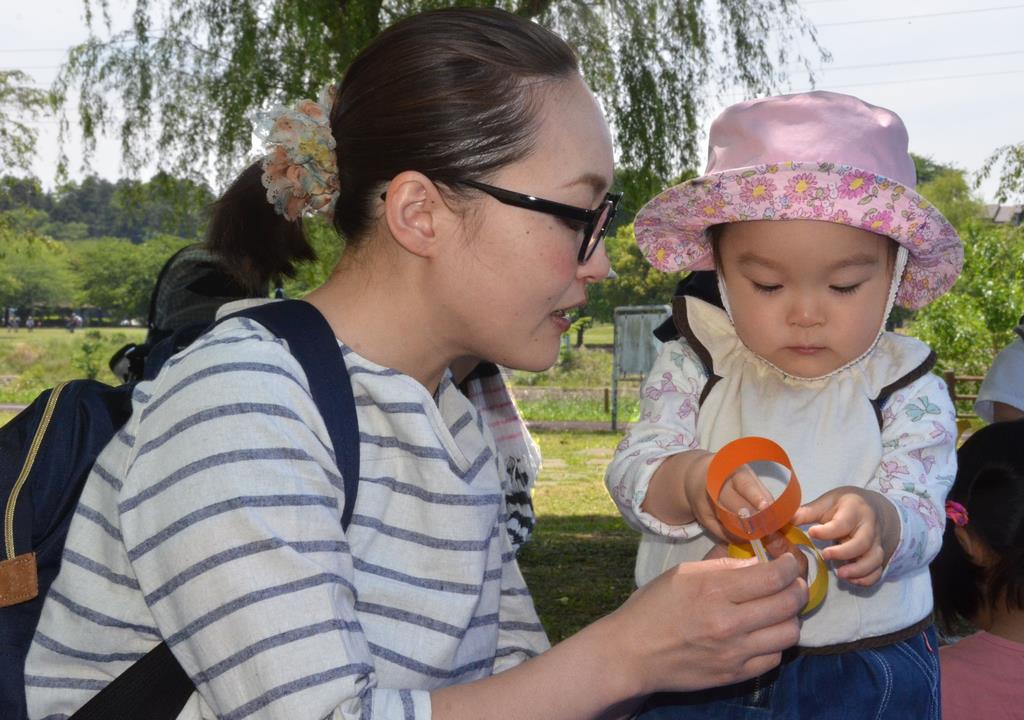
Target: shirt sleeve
669, 401
1004, 381
520, 633
917, 469
230, 513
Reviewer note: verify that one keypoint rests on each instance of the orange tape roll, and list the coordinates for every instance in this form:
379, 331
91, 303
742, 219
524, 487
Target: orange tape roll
771, 519
730, 459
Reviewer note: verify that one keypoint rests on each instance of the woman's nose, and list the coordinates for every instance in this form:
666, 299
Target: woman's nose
597, 267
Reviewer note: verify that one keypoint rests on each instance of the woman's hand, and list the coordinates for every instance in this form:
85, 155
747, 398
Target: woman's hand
711, 623
864, 526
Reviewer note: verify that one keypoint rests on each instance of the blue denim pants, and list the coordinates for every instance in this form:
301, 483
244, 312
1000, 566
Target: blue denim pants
898, 681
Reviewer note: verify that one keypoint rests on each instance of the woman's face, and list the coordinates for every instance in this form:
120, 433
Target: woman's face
518, 278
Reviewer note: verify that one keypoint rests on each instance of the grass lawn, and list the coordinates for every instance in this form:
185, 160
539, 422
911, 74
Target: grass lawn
30, 362
599, 334
579, 562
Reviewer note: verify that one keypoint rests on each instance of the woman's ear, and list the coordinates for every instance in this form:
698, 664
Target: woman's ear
415, 212
974, 547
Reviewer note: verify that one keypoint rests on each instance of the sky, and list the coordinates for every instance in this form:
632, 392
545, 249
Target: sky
952, 69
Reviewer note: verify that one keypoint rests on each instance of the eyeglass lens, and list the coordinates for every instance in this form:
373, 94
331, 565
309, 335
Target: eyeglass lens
593, 239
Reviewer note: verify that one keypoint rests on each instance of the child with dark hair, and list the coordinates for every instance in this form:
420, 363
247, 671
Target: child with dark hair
978, 577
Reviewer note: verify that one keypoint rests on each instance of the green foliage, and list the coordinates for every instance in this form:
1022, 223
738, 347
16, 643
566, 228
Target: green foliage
32, 362
33, 269
588, 368
97, 208
117, 276
968, 325
89, 357
183, 83
18, 99
928, 169
948, 191
1010, 161
328, 247
17, 192
637, 283
554, 406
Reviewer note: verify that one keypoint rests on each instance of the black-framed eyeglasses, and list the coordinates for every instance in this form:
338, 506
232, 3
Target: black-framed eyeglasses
593, 223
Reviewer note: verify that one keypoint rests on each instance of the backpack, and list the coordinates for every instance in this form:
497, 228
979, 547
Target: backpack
190, 287
46, 453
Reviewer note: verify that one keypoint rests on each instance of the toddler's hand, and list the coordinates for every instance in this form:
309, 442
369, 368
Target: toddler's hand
863, 525
742, 490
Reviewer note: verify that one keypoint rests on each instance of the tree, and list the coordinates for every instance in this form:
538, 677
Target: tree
638, 283
19, 192
17, 99
968, 325
928, 168
186, 82
1010, 160
33, 270
94, 207
119, 276
948, 191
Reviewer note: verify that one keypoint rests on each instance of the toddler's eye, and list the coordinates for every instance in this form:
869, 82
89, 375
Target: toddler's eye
765, 288
845, 289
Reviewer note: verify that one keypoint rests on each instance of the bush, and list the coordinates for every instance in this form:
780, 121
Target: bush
971, 323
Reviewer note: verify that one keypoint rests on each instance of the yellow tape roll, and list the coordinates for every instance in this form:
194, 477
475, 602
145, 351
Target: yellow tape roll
817, 589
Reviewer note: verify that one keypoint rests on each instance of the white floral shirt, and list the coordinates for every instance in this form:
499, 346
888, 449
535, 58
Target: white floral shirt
885, 423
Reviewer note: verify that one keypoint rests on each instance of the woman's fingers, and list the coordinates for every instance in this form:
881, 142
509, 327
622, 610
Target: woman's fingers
731, 618
777, 545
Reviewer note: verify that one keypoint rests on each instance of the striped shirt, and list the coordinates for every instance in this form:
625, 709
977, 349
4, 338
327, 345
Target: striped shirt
212, 521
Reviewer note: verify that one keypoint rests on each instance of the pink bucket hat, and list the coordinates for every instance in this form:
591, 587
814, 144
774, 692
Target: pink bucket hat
811, 156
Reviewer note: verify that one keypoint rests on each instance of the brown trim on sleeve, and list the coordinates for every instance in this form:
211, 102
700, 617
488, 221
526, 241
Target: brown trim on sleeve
885, 393
682, 324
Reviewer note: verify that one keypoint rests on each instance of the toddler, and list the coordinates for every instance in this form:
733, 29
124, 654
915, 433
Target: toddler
808, 213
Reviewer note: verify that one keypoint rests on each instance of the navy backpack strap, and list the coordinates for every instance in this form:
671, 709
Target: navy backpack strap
312, 342
157, 682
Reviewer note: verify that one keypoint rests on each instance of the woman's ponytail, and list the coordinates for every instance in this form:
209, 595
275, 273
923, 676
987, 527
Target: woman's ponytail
256, 243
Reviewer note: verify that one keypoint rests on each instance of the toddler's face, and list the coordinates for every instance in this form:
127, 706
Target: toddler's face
805, 295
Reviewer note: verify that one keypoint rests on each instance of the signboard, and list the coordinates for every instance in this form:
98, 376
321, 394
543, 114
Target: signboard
635, 347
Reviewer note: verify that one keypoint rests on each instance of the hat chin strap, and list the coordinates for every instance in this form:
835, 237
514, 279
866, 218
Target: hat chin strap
894, 287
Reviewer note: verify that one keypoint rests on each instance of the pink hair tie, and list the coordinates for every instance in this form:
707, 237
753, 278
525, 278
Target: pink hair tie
956, 512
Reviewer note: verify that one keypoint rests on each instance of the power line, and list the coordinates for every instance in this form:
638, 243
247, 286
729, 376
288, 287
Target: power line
924, 15
924, 79
21, 50
916, 62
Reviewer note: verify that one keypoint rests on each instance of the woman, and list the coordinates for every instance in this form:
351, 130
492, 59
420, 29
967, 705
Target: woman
212, 521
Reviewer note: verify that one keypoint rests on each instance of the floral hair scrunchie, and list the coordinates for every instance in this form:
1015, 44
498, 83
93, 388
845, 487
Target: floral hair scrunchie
300, 171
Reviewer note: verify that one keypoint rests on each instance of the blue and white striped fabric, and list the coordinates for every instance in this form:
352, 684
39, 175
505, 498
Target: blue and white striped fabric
213, 521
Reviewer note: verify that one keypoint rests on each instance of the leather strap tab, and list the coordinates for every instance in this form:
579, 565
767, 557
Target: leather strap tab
18, 580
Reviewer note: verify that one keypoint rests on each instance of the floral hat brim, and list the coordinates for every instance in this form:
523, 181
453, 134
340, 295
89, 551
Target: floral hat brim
670, 229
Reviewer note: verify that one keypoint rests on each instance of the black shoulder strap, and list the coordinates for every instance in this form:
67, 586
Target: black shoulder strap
312, 342
157, 687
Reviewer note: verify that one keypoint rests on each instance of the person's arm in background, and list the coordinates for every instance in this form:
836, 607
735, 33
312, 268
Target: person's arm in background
1001, 395
1002, 412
